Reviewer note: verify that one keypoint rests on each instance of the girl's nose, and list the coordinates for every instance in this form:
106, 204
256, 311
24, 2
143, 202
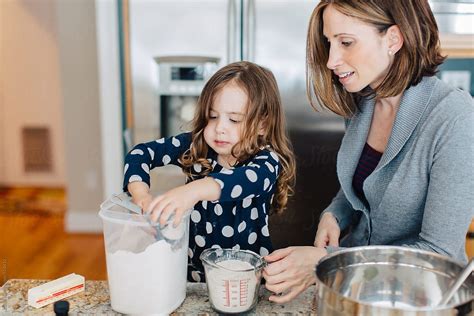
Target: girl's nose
335, 59
220, 126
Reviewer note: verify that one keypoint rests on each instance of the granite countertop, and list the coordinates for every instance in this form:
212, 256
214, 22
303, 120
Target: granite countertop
95, 300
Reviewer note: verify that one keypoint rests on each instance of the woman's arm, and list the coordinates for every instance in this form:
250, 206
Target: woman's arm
449, 206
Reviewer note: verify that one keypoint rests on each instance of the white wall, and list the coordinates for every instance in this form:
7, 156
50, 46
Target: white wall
30, 88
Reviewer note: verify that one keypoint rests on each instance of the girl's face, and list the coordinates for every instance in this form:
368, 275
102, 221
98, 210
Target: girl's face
358, 53
226, 119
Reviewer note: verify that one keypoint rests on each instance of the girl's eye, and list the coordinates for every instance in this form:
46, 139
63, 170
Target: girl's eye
234, 121
211, 117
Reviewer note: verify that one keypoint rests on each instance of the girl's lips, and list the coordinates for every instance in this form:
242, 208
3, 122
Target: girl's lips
221, 143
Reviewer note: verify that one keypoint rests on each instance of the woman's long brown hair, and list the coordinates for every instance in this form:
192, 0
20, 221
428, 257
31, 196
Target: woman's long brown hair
419, 56
264, 109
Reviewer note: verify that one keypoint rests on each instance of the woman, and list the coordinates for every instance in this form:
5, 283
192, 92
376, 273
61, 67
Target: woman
406, 161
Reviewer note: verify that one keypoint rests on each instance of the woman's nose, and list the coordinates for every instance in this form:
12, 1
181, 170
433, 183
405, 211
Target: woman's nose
334, 59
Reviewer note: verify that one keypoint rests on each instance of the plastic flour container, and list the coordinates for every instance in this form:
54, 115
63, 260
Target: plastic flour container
146, 264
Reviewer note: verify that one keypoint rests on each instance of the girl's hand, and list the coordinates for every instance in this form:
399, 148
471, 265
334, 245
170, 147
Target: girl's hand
140, 193
178, 200
328, 232
291, 271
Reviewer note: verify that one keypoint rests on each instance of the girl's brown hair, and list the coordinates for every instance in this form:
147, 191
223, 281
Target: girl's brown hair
264, 109
418, 57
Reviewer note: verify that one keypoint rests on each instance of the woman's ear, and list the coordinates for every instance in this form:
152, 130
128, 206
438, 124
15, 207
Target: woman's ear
395, 39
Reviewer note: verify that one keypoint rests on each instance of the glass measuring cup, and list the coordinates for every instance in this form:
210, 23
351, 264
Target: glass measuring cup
233, 278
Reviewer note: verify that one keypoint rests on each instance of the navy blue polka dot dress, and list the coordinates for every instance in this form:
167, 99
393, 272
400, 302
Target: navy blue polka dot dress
238, 220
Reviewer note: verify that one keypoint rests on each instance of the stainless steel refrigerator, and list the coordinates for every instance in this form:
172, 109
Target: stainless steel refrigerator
271, 33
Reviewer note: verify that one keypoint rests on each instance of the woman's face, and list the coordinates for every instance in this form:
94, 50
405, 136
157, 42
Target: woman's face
358, 53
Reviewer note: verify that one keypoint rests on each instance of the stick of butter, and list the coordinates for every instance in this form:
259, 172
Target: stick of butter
55, 290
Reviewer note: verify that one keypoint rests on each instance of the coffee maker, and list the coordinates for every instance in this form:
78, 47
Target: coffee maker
180, 82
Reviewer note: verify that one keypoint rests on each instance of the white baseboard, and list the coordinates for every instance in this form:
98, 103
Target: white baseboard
82, 222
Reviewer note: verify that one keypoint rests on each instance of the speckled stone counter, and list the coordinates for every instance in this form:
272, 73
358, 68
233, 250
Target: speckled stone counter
95, 301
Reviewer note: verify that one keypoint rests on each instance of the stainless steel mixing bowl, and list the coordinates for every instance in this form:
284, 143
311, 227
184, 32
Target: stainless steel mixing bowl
386, 280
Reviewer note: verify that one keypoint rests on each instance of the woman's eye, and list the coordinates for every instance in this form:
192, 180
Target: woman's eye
211, 117
347, 44
234, 121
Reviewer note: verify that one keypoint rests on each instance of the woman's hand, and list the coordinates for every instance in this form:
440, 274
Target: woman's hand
180, 199
291, 271
328, 231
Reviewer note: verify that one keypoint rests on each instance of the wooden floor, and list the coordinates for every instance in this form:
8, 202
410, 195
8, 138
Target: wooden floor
37, 247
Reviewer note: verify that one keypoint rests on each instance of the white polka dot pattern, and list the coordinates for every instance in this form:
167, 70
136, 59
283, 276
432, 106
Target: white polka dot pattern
252, 238
197, 167
270, 166
137, 152
236, 247
251, 175
216, 247
166, 159
242, 226
125, 168
265, 231
152, 153
226, 171
145, 168
204, 204
195, 216
234, 210
135, 178
195, 276
160, 141
246, 203
190, 253
266, 183
236, 191
200, 241
175, 142
218, 209
208, 227
227, 231
254, 213
263, 251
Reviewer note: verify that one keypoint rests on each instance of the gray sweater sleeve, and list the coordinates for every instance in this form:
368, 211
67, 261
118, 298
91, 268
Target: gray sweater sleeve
341, 209
449, 207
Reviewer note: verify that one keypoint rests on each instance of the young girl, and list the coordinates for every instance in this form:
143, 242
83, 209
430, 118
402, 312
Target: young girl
237, 159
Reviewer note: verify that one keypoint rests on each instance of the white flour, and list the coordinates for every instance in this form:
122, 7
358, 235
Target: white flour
150, 282
232, 291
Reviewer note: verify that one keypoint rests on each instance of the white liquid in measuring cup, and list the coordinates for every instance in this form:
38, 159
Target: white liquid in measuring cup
232, 291
153, 281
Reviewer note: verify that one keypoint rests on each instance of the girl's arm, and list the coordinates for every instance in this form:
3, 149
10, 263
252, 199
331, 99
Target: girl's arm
255, 179
146, 156
180, 199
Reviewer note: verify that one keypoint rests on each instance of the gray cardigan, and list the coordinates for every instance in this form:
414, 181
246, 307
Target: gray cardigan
421, 193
